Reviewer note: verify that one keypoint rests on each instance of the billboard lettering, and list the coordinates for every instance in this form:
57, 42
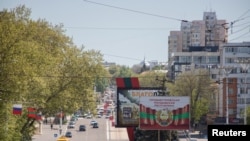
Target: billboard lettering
128, 109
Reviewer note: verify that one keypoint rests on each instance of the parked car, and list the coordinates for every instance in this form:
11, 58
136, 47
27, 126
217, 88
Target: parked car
68, 134
99, 116
89, 116
82, 128
85, 115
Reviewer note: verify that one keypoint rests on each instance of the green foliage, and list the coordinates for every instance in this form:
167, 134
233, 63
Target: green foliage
198, 86
119, 71
42, 68
149, 79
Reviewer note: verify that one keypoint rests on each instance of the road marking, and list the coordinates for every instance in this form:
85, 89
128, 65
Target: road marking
107, 123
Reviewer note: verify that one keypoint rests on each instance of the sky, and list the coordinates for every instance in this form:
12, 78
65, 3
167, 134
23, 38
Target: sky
128, 31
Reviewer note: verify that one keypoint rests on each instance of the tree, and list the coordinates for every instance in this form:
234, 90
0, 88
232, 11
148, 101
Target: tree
40, 67
196, 85
152, 79
119, 71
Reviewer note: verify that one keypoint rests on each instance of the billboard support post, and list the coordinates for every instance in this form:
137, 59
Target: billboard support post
159, 135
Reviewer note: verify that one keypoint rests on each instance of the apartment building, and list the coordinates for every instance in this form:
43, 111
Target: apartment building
204, 44
235, 60
208, 32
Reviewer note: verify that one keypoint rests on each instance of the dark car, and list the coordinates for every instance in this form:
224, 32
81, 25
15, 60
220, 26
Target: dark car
95, 125
82, 128
68, 134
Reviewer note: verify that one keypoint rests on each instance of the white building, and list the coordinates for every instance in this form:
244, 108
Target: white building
238, 77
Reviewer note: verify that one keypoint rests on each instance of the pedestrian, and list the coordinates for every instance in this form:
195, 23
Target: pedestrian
51, 126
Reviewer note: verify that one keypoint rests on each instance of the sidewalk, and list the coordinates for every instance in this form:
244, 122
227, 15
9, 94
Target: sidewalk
117, 134
194, 136
50, 134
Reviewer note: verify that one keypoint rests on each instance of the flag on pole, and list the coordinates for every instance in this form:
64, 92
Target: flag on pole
39, 116
32, 112
17, 109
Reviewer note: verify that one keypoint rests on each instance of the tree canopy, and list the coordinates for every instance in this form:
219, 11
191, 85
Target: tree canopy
40, 67
197, 85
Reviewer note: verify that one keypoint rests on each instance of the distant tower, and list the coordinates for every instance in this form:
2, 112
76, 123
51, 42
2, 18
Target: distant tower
144, 65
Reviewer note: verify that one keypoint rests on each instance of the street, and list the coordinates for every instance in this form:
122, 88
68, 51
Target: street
105, 132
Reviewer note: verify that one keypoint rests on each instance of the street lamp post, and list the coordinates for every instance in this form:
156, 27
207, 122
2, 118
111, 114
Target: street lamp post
60, 124
245, 64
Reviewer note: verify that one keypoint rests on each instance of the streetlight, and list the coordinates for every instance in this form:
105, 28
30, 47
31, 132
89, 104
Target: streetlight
245, 64
60, 124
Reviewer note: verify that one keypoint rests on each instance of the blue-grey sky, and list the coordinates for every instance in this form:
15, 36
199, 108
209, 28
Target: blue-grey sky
127, 31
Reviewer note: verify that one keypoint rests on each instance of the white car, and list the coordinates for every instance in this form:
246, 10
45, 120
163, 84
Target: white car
71, 125
92, 122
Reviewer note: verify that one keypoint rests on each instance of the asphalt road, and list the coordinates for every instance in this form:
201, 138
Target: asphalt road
105, 132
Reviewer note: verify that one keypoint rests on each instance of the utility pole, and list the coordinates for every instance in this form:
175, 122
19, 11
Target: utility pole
164, 93
163, 82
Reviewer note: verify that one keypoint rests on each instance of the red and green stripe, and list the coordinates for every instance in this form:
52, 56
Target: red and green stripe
127, 82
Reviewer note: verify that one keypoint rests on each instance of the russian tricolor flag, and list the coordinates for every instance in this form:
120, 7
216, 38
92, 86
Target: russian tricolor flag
17, 109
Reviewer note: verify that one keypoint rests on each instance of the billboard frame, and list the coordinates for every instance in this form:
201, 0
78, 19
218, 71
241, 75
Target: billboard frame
158, 92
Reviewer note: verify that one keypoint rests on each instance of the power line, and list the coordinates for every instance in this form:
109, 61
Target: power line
240, 36
165, 17
243, 15
242, 24
123, 57
241, 29
239, 19
118, 28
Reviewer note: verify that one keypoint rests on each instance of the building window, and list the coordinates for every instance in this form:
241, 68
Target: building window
229, 60
213, 59
248, 100
230, 80
230, 111
240, 101
242, 91
230, 91
214, 76
230, 101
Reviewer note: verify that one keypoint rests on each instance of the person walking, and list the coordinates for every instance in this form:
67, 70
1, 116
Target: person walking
46, 121
51, 126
